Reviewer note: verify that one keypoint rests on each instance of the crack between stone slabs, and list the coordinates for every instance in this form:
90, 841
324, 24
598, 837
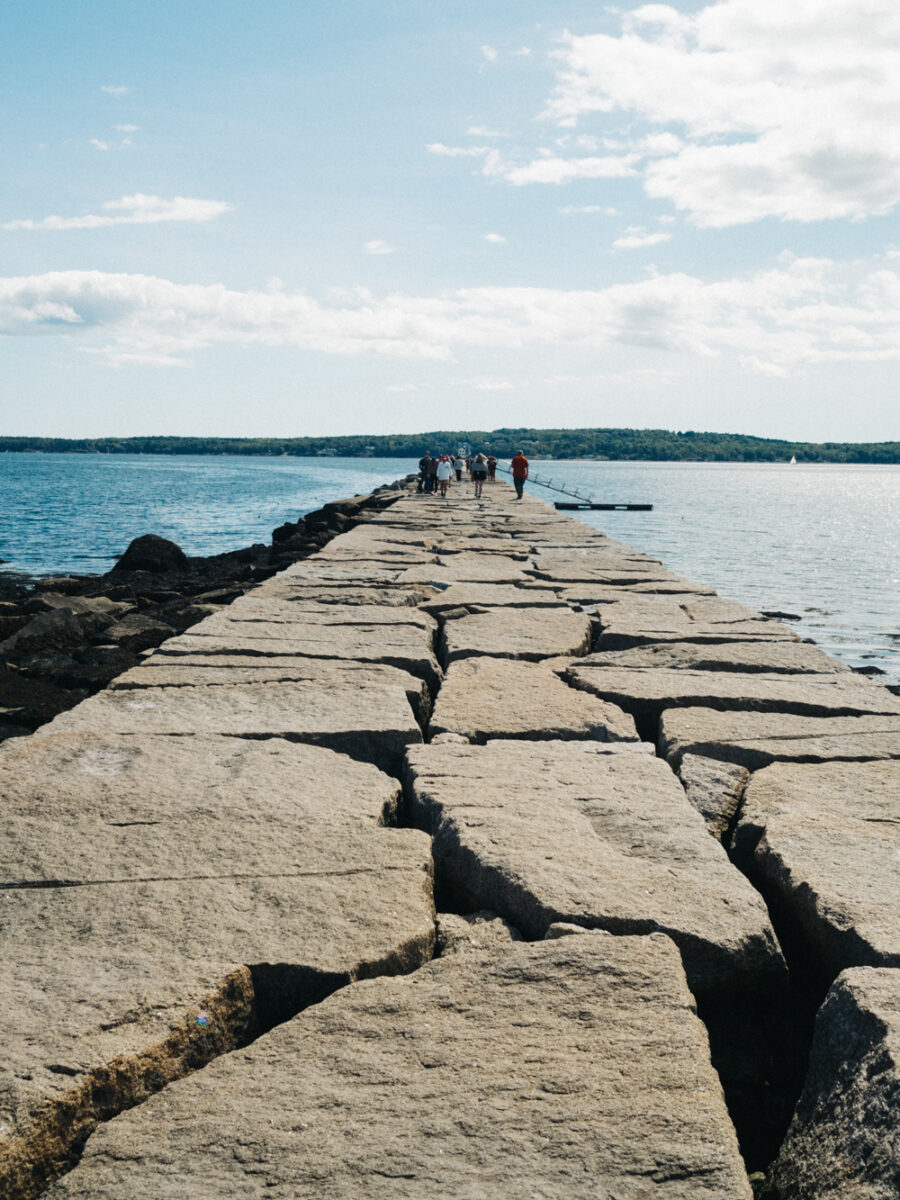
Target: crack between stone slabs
38, 884
249, 1002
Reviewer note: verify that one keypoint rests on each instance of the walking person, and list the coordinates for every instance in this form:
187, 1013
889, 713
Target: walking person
492, 468
423, 471
479, 474
458, 465
431, 478
444, 471
519, 472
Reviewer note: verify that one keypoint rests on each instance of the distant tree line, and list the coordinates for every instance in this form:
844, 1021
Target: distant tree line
637, 445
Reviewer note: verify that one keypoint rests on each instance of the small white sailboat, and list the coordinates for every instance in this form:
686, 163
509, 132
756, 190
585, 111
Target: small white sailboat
793, 461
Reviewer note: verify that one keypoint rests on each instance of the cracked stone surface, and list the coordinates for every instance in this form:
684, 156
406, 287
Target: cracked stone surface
756, 739
227, 670
401, 646
485, 698
492, 595
601, 836
572, 1068
112, 990
647, 692
527, 633
469, 568
778, 658
268, 610
102, 806
374, 722
825, 841
715, 789
842, 1144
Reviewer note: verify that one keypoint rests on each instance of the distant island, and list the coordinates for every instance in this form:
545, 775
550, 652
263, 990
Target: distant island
636, 445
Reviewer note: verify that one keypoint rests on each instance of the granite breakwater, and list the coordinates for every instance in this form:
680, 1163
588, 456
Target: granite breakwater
471, 853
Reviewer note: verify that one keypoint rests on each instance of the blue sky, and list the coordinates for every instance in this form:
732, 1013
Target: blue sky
356, 217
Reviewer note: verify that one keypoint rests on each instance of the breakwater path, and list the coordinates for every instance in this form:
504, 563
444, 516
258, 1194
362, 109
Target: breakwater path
477, 854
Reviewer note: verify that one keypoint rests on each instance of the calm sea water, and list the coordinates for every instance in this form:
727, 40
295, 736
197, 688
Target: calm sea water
822, 542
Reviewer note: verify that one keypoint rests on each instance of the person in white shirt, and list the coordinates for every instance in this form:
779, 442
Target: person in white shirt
444, 471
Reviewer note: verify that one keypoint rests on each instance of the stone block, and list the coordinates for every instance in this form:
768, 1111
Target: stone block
522, 633
755, 739
485, 698
601, 836
574, 1068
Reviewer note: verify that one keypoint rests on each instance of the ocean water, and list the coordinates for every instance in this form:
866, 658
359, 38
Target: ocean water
821, 542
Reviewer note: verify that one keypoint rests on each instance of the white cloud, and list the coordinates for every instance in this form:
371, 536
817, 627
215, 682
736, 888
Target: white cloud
763, 109
552, 169
634, 238
803, 312
523, 52
132, 210
402, 387
606, 209
488, 53
457, 151
379, 246
128, 128
481, 131
496, 238
98, 145
115, 90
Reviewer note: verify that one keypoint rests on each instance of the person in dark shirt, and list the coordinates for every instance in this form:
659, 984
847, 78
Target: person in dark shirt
492, 468
423, 472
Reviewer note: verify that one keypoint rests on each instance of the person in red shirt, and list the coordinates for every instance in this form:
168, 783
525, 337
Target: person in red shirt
519, 472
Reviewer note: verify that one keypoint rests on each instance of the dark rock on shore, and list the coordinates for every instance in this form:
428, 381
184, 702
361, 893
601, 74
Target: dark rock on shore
154, 554
65, 637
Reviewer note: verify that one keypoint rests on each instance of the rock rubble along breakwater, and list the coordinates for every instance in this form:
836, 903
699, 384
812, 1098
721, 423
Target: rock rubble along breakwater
474, 853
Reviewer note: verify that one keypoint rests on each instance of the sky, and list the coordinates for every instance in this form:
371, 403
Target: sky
293, 219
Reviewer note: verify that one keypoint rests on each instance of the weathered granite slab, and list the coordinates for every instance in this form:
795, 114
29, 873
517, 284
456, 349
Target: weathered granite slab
483, 698
403, 646
113, 990
526, 633
773, 658
96, 807
469, 568
314, 570
621, 633
601, 836
224, 670
492, 595
371, 722
595, 554
843, 1142
756, 739
715, 789
605, 570
594, 594
824, 843
268, 611
647, 692
346, 593
574, 1068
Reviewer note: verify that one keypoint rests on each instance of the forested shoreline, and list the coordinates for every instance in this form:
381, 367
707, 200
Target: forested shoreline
637, 445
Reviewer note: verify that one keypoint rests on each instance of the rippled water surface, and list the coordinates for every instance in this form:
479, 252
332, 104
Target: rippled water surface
77, 512
822, 542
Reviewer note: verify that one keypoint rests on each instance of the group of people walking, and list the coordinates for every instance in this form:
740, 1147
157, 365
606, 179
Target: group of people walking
436, 472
